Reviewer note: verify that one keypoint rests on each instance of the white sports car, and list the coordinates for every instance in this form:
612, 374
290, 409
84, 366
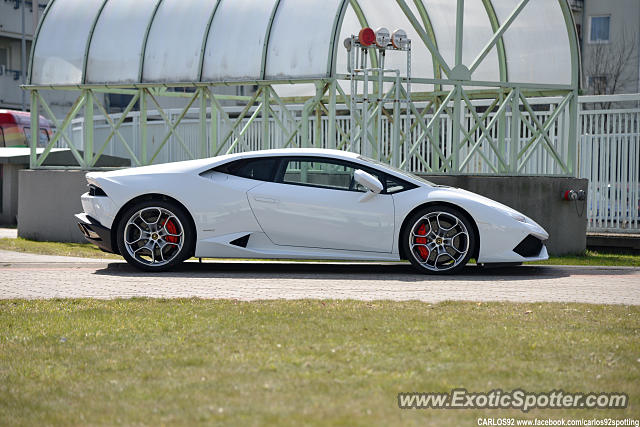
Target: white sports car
299, 204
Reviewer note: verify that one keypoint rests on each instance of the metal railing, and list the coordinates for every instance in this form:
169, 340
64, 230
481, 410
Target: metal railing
481, 153
609, 157
608, 145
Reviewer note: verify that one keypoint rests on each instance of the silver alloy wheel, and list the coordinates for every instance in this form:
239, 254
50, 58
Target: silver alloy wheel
154, 236
439, 241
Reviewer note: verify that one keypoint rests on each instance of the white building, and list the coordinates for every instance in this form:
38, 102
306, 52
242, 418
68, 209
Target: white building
610, 43
11, 58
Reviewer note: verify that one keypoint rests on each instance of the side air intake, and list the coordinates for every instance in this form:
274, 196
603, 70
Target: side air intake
242, 241
529, 247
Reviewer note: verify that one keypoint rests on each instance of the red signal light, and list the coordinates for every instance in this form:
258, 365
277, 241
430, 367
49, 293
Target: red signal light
367, 37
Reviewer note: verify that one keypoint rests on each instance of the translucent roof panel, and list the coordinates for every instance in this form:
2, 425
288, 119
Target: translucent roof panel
302, 33
58, 55
182, 41
175, 41
234, 21
116, 45
537, 43
477, 33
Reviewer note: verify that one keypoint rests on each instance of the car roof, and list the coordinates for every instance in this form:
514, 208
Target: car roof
202, 165
321, 152
20, 117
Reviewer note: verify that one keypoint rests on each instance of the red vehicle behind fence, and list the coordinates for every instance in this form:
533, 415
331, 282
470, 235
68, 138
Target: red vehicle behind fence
15, 129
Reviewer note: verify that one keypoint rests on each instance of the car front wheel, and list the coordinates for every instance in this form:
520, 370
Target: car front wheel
438, 239
155, 235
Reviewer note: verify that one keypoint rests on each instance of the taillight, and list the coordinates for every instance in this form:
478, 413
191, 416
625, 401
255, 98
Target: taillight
96, 191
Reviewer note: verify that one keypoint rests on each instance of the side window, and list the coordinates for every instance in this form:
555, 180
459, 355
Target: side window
261, 169
2, 144
321, 173
394, 185
336, 175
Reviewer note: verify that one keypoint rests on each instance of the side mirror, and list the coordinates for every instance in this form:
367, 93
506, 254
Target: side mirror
368, 181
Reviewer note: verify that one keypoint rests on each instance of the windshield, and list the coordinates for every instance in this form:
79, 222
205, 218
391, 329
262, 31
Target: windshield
397, 170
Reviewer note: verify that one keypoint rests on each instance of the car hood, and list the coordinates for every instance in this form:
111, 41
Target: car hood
485, 201
480, 199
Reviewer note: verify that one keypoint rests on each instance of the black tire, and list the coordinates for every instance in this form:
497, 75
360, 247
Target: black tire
172, 237
454, 247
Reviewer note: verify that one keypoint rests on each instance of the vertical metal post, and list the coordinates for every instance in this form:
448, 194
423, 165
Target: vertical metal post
35, 128
573, 134
23, 59
364, 130
213, 133
457, 130
317, 133
459, 31
353, 96
380, 105
331, 141
395, 144
457, 107
305, 125
515, 131
88, 128
143, 126
436, 136
203, 123
265, 117
502, 120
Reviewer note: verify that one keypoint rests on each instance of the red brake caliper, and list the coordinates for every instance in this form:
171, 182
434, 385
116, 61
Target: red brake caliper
171, 228
422, 250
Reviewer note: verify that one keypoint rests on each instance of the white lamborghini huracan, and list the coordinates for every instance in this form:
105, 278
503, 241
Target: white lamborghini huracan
299, 204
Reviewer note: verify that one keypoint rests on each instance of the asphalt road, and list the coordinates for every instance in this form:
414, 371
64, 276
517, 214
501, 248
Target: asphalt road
39, 276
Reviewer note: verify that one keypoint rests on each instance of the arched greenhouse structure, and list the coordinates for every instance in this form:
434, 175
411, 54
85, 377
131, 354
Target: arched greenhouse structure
487, 86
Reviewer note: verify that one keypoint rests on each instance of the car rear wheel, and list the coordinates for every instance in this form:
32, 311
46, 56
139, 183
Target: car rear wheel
438, 239
155, 235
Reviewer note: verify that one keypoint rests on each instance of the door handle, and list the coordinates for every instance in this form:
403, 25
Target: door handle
264, 199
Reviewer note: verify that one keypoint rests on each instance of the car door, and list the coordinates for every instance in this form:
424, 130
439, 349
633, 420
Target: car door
315, 203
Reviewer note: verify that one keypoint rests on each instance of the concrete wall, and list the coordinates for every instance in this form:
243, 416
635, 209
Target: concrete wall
540, 199
9, 183
50, 198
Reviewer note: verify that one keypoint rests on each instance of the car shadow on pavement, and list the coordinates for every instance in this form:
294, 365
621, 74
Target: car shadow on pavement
322, 271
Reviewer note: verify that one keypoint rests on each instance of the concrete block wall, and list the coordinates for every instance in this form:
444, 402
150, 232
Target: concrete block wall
9, 193
48, 201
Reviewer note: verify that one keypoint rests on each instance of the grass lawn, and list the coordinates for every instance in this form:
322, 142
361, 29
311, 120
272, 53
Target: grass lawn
83, 250
594, 258
302, 362
86, 250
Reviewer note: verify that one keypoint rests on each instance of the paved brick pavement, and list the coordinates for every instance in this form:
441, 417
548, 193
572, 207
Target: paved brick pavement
39, 276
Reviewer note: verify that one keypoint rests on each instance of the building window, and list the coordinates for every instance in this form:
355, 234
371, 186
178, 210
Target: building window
4, 57
600, 26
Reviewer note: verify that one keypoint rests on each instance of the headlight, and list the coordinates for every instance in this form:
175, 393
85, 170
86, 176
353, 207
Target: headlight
518, 217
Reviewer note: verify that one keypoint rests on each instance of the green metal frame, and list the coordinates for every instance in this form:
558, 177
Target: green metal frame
497, 128
267, 37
